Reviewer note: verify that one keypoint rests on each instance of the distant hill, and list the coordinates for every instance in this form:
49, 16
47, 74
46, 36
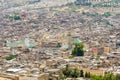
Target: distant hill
98, 3
23, 4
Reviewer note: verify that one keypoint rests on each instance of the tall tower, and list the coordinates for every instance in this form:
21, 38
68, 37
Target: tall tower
69, 39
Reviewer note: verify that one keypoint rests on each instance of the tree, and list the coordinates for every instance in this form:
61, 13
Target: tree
109, 77
76, 73
81, 73
106, 77
62, 77
10, 57
95, 77
89, 75
66, 71
107, 14
86, 75
78, 50
69, 72
82, 2
58, 45
72, 75
16, 17
117, 77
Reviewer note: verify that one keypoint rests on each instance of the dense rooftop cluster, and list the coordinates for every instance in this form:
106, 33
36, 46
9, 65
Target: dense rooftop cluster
38, 43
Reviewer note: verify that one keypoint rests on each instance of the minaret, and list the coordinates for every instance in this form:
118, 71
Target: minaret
69, 40
27, 42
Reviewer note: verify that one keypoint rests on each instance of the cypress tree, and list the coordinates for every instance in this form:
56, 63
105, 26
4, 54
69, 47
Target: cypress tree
81, 73
89, 75
86, 75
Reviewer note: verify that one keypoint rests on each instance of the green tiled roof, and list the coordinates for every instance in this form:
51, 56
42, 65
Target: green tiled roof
14, 44
65, 46
77, 40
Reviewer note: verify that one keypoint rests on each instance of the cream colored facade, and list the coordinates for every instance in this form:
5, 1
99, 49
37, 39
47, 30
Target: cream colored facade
8, 77
4, 78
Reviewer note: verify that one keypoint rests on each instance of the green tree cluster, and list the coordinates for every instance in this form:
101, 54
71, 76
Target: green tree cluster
117, 77
71, 57
106, 77
76, 73
78, 50
106, 14
87, 75
58, 45
90, 14
73, 73
83, 3
10, 57
15, 17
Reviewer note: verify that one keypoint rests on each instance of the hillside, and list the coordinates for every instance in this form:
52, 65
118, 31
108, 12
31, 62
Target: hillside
31, 4
98, 3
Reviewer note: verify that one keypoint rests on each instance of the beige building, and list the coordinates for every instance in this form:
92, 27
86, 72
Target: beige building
95, 72
107, 49
8, 77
